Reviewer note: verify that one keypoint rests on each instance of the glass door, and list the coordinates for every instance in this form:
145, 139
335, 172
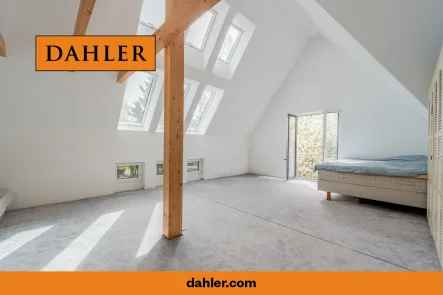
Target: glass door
290, 158
312, 139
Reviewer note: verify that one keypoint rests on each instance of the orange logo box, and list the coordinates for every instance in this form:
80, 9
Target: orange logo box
95, 53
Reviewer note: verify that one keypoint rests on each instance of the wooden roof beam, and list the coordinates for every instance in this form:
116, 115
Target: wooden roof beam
84, 15
185, 15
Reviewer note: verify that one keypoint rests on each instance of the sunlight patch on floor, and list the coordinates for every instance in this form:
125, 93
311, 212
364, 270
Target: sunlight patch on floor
71, 257
17, 241
153, 231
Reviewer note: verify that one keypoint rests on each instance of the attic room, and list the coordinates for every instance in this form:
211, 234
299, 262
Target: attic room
308, 138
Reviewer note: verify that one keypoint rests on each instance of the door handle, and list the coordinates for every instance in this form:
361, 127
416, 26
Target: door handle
285, 159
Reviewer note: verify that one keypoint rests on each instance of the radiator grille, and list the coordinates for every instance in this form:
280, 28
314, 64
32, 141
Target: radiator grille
440, 98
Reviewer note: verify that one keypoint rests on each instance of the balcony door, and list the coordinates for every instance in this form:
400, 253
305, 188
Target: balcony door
312, 139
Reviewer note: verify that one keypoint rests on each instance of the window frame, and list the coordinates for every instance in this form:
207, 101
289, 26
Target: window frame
151, 93
149, 25
234, 47
324, 113
325, 124
208, 32
199, 166
211, 98
140, 171
161, 128
159, 163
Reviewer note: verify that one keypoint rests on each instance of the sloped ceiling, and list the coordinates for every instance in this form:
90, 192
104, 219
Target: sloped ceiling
404, 36
93, 99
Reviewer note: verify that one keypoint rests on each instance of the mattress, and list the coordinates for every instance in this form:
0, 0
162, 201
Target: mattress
401, 166
410, 184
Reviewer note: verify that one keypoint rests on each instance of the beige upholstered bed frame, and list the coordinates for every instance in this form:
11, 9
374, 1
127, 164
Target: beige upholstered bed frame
410, 191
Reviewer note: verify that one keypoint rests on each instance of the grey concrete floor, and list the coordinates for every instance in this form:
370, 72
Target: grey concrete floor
236, 223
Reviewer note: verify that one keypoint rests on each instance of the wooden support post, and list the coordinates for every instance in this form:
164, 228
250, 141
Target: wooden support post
2, 46
328, 196
173, 132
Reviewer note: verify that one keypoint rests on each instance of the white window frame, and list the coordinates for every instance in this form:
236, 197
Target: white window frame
199, 166
161, 128
157, 163
187, 89
140, 171
213, 94
208, 113
208, 32
148, 102
159, 178
227, 70
325, 122
149, 25
234, 47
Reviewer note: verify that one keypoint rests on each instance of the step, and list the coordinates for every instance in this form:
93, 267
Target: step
6, 198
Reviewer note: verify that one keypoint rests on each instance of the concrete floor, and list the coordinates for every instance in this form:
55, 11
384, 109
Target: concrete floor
236, 223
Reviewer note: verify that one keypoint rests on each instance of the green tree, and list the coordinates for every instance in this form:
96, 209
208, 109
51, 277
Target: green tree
309, 145
125, 115
138, 107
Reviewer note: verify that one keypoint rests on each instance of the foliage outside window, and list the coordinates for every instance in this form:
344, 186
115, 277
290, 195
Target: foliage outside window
159, 169
312, 147
193, 166
309, 144
201, 109
137, 95
127, 172
229, 44
331, 148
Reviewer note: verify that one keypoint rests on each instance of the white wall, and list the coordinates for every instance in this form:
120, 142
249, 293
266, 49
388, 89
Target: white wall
58, 130
373, 122
62, 164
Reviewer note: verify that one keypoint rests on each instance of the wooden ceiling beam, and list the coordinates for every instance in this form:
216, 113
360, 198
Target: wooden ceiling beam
185, 15
2, 46
84, 15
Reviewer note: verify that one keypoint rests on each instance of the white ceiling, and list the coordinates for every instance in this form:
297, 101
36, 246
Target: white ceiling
93, 100
405, 36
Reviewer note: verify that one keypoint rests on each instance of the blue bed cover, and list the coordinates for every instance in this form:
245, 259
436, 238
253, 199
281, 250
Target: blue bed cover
406, 166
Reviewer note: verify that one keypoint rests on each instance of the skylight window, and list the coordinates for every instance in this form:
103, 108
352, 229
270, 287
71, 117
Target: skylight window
161, 123
201, 109
199, 31
230, 43
148, 24
138, 92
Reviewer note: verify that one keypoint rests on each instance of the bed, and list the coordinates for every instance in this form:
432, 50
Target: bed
399, 180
